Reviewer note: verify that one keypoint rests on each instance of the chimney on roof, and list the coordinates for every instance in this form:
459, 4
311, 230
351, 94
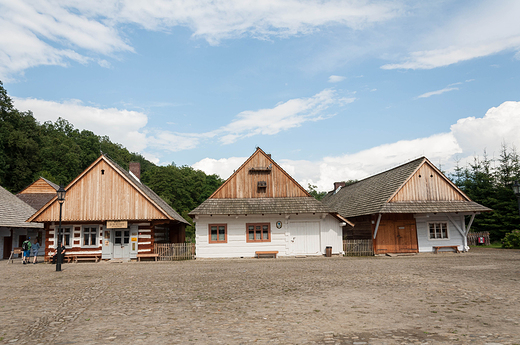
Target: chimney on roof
135, 168
339, 184
269, 155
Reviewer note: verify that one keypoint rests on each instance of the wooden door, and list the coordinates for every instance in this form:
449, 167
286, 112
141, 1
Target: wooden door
396, 236
406, 237
8, 246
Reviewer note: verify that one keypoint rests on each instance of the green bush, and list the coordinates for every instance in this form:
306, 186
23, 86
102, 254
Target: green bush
512, 240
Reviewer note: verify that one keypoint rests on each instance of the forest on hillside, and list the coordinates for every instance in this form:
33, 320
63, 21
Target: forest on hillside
59, 152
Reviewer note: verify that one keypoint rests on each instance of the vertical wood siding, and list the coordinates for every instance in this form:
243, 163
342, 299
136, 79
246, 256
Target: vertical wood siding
428, 185
102, 196
39, 186
244, 183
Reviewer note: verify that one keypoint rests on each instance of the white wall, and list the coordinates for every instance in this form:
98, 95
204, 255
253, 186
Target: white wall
329, 234
454, 236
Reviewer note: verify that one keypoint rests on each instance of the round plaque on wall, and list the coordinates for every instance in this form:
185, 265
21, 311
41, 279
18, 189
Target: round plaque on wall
279, 224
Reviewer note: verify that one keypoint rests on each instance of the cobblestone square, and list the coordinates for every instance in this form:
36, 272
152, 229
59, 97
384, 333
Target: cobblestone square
471, 298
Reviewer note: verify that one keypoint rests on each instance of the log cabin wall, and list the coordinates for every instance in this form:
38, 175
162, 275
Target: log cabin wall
428, 185
245, 182
362, 229
110, 197
146, 238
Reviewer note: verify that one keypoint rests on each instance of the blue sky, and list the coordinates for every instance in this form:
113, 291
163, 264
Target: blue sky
334, 90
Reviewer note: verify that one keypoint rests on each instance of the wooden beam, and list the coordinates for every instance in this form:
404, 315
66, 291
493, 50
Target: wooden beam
377, 225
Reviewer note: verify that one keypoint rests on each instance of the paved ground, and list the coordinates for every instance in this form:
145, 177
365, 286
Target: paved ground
471, 298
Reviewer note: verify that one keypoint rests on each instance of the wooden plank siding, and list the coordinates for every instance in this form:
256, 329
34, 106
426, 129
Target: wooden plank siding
111, 197
39, 186
426, 184
397, 233
244, 182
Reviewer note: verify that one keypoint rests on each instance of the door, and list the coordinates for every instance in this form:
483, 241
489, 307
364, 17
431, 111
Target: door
121, 243
406, 237
8, 246
305, 238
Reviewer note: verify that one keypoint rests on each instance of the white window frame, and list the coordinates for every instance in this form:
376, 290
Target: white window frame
70, 232
440, 238
92, 229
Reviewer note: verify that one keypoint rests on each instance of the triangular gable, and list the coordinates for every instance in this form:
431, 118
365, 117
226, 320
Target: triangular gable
427, 183
259, 177
96, 195
42, 186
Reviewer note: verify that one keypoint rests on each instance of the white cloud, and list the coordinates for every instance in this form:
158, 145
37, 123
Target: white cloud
485, 29
284, 116
468, 137
438, 92
223, 167
336, 78
46, 32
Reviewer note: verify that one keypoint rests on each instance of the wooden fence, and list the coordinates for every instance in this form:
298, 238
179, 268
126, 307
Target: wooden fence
473, 238
358, 247
174, 251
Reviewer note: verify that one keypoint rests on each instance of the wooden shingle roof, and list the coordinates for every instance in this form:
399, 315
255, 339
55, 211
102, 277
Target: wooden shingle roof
380, 194
260, 206
14, 212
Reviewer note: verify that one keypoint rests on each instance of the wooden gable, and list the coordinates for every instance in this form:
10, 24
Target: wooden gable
259, 177
101, 193
427, 183
40, 186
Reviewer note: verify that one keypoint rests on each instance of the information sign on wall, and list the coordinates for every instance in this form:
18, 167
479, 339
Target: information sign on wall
117, 224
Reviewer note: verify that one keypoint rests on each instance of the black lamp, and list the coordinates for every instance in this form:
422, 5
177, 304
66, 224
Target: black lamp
61, 198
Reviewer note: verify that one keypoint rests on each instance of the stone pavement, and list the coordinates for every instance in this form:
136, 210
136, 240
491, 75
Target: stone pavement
448, 298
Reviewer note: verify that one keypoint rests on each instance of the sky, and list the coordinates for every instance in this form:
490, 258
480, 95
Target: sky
334, 90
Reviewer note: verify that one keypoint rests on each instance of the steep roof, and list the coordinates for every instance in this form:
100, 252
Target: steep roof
14, 212
143, 191
260, 186
260, 206
401, 190
38, 193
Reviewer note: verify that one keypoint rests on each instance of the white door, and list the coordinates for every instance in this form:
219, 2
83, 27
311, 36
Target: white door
121, 243
305, 238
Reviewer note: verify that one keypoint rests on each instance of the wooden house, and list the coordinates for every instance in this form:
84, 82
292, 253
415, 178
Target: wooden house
38, 193
260, 208
14, 230
108, 212
411, 208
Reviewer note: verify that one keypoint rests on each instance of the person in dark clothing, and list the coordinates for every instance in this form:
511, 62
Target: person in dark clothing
55, 256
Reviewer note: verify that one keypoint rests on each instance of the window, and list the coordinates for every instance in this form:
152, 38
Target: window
65, 236
258, 232
438, 231
90, 236
218, 233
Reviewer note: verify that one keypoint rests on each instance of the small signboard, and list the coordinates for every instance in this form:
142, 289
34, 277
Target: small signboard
117, 224
134, 239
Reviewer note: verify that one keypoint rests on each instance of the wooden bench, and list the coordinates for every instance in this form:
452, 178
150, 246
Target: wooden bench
147, 255
17, 250
455, 248
86, 257
266, 254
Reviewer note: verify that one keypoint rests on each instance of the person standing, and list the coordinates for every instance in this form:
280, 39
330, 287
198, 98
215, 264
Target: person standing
35, 248
26, 247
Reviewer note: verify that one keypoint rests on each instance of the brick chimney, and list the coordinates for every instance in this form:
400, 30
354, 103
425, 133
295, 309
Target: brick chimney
135, 168
339, 184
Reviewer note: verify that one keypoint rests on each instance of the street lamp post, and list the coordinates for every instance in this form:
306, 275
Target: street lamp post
61, 198
516, 190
